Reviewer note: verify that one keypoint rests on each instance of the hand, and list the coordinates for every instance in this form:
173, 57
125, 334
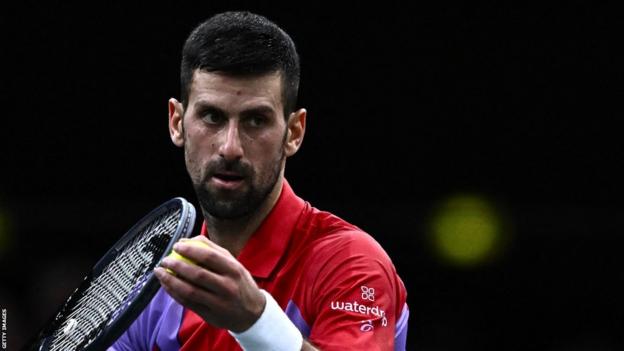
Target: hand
218, 288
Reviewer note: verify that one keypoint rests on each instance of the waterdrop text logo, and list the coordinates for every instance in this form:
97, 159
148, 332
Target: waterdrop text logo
368, 294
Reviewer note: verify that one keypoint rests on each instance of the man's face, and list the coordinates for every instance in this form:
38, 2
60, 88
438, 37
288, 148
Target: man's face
234, 135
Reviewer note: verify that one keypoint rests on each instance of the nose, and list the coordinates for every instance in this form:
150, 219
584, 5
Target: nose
231, 147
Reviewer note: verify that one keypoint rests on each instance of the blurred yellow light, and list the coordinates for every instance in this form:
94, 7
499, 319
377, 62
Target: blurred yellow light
466, 230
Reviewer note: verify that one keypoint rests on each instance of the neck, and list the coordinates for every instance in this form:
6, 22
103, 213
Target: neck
233, 234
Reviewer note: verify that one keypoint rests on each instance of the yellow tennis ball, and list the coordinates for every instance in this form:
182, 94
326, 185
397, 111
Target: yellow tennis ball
182, 258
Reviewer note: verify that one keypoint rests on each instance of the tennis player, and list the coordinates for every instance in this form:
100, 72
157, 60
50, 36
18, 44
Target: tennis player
275, 273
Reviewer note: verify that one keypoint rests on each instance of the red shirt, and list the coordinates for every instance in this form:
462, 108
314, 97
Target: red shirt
334, 281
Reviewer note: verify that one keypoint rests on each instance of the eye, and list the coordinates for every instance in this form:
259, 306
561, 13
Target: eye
212, 117
257, 121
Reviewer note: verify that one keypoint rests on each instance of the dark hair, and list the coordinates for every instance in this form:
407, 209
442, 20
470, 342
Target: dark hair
242, 44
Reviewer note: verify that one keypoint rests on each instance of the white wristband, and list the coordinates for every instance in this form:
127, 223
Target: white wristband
272, 331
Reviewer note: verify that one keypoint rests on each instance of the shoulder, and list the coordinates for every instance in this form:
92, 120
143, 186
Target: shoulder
349, 286
328, 235
341, 255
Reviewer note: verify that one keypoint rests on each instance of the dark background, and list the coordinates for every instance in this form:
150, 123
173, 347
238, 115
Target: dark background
407, 106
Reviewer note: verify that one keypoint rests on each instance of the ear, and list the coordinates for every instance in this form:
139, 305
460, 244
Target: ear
176, 129
296, 130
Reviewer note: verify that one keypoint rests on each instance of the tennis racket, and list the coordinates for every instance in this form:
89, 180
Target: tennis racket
120, 285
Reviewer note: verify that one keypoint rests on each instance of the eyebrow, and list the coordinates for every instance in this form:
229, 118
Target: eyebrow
260, 109
205, 105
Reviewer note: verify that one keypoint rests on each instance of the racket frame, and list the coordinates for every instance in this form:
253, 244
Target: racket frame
143, 293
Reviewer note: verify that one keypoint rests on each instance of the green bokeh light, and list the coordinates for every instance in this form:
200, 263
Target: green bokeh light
466, 230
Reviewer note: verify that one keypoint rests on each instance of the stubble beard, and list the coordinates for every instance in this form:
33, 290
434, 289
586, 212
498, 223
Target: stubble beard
221, 206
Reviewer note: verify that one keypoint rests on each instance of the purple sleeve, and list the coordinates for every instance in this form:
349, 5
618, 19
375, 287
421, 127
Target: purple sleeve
400, 336
157, 325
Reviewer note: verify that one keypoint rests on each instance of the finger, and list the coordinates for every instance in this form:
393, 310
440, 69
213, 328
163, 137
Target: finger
212, 308
186, 293
197, 275
208, 257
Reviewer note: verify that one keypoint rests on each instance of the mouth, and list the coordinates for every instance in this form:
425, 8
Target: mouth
227, 180
228, 176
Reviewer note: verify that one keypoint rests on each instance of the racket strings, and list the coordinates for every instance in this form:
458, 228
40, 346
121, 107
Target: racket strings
110, 292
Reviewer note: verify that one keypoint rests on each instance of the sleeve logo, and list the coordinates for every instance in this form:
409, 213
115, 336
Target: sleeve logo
367, 326
367, 293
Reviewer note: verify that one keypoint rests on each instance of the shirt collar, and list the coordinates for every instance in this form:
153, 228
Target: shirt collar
268, 244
